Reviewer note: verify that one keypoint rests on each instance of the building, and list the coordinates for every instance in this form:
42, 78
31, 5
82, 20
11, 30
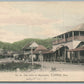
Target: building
27, 48
37, 50
77, 54
6, 53
47, 54
68, 41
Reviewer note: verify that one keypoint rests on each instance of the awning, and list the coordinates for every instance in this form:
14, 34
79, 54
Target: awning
57, 48
77, 49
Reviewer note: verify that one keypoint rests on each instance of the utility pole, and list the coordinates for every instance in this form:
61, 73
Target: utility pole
32, 54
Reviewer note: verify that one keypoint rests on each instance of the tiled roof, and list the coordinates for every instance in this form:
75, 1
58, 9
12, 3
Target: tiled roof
43, 50
40, 48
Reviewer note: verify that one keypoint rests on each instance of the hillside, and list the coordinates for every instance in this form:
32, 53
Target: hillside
16, 46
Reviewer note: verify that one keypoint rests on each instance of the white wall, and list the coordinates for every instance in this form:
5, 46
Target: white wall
34, 44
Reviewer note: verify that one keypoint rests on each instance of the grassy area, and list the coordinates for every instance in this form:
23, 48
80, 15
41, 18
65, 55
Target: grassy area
14, 66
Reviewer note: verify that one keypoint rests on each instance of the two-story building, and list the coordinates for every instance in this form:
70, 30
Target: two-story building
64, 43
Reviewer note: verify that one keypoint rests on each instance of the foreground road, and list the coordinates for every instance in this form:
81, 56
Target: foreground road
53, 66
57, 66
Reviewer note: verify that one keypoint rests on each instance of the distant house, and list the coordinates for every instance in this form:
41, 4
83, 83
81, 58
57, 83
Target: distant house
6, 53
36, 49
18, 55
47, 54
66, 43
27, 48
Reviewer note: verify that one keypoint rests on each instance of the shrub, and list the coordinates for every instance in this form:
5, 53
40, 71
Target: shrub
22, 66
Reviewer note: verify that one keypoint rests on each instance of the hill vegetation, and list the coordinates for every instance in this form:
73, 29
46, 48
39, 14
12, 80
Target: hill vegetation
16, 46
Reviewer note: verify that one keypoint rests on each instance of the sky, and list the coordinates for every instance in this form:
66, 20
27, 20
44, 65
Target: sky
29, 19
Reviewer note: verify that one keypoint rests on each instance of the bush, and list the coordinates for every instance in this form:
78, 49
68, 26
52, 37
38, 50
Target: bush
14, 66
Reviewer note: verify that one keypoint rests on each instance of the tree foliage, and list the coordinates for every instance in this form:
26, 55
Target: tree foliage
17, 46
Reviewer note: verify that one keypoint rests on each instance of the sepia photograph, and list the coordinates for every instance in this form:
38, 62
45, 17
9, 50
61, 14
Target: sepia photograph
42, 41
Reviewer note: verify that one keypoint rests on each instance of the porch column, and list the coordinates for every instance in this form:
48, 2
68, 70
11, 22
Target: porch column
32, 54
71, 57
48, 57
55, 56
43, 58
65, 55
64, 37
59, 53
79, 35
68, 35
73, 35
56, 40
78, 56
68, 55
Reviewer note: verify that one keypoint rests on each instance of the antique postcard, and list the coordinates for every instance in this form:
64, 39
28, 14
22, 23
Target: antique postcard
42, 41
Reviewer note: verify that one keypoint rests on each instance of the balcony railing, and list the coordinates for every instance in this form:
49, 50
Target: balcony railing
69, 39
59, 41
81, 38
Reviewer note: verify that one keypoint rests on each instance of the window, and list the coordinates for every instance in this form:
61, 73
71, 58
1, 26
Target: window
82, 33
66, 35
81, 53
76, 33
70, 34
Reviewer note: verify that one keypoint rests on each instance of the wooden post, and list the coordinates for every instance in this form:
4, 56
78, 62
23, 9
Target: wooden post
78, 56
79, 35
65, 56
73, 35
55, 56
70, 57
64, 37
56, 40
32, 55
59, 54
46, 58
68, 35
